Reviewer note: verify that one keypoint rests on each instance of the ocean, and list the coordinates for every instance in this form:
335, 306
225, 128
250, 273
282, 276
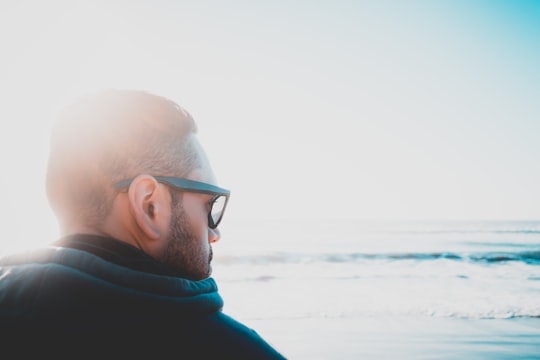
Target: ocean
362, 274
351, 289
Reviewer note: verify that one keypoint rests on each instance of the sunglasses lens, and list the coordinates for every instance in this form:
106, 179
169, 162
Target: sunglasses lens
218, 207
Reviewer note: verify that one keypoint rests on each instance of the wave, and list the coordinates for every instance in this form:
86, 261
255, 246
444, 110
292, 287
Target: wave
464, 232
502, 315
527, 257
467, 231
498, 244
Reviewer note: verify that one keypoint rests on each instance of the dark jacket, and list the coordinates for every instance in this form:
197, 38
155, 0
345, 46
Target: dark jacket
104, 295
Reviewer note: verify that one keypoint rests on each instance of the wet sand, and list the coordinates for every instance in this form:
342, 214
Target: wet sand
381, 337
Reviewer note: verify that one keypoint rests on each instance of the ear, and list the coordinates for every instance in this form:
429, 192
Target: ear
147, 202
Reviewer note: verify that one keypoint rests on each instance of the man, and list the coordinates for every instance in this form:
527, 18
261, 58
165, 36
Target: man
138, 210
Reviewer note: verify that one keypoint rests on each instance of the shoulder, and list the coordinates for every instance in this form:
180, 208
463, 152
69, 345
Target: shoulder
228, 336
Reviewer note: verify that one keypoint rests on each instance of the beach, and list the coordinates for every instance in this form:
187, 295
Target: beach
402, 337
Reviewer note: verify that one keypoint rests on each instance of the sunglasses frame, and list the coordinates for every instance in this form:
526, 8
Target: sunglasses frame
193, 186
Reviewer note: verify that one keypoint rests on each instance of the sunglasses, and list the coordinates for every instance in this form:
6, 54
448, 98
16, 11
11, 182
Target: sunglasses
217, 204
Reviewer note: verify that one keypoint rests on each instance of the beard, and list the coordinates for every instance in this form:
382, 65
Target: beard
184, 251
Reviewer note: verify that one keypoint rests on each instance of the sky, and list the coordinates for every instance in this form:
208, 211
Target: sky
413, 110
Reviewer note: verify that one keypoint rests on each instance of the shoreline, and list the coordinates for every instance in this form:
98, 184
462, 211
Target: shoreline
405, 337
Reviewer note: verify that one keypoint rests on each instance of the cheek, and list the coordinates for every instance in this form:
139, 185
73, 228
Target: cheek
197, 216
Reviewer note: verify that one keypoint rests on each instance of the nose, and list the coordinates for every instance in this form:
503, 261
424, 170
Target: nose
213, 235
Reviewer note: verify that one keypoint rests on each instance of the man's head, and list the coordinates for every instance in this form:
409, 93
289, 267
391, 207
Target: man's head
114, 135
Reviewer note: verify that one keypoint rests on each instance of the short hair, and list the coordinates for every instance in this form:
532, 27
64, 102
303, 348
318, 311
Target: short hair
109, 136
